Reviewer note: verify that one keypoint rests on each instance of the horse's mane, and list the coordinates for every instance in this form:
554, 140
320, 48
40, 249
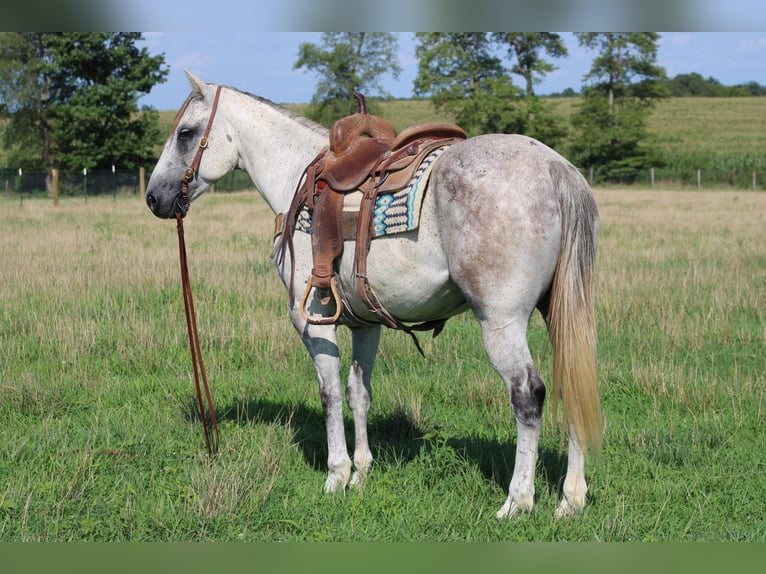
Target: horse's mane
312, 125
195, 94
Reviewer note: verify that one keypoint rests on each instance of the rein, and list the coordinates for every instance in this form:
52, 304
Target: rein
209, 423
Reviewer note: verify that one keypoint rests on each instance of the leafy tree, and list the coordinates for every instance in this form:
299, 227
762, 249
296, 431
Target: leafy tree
625, 82
526, 49
466, 77
70, 99
347, 62
28, 136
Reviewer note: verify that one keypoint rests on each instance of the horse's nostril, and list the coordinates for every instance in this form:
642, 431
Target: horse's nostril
151, 201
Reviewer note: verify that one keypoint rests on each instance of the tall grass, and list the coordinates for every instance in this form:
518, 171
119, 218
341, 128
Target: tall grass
100, 439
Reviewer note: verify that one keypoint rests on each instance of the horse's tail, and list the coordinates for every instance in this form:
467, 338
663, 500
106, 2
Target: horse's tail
571, 317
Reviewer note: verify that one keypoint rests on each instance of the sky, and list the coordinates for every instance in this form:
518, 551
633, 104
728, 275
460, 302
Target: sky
262, 63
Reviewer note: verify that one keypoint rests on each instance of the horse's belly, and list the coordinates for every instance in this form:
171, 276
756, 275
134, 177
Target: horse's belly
409, 276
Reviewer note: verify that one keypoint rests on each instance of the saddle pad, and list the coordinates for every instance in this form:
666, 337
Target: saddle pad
396, 212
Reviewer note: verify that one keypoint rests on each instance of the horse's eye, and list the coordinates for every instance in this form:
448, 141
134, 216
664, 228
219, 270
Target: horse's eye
184, 134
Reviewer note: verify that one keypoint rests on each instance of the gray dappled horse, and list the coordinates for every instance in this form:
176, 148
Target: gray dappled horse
507, 225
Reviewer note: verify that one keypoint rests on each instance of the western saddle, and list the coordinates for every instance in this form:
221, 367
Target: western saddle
366, 154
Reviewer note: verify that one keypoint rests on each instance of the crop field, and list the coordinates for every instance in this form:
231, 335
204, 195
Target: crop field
100, 440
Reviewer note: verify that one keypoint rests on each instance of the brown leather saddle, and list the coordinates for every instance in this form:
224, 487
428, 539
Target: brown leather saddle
364, 154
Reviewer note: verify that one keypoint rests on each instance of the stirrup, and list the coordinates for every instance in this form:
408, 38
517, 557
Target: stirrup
321, 319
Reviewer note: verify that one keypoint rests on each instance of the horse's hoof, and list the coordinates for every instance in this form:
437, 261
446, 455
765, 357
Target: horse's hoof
358, 480
513, 508
334, 484
567, 508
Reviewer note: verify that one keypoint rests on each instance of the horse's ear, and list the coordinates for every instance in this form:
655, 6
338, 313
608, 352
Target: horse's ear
196, 84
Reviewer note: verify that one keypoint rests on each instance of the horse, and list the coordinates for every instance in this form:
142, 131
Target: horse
507, 226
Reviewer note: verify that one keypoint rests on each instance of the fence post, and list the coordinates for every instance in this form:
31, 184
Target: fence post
652, 177
754, 184
699, 178
114, 184
21, 188
55, 186
141, 181
590, 175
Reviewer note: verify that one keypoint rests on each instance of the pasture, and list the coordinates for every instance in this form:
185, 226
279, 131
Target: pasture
100, 440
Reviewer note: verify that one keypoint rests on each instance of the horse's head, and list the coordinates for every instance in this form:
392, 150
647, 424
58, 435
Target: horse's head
199, 127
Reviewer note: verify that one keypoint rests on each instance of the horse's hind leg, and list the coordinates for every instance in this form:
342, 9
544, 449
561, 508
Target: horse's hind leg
508, 352
575, 487
364, 343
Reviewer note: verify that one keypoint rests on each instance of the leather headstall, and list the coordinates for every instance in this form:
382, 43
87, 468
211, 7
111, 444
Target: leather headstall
193, 169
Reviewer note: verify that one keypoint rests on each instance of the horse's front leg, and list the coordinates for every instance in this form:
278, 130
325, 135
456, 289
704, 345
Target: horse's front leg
322, 344
364, 344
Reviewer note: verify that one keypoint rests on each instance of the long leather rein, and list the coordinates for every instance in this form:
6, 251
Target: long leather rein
209, 423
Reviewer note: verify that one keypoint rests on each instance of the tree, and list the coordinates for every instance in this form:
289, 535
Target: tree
70, 99
464, 77
624, 83
347, 62
526, 48
24, 101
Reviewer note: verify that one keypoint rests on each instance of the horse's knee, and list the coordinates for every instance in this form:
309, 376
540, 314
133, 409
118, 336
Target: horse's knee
528, 396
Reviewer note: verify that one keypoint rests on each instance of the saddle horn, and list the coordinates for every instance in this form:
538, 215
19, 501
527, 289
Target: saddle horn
361, 105
348, 129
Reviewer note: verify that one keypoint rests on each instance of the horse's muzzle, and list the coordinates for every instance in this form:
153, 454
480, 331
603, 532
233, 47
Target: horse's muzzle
166, 209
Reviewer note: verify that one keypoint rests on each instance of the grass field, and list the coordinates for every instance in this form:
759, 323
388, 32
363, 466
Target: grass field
100, 440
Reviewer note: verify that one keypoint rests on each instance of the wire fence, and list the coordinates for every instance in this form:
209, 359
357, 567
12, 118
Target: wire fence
86, 183
735, 179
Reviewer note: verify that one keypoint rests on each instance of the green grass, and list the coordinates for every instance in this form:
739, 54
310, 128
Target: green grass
101, 441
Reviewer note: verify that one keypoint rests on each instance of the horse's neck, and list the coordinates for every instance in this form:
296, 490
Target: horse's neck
275, 147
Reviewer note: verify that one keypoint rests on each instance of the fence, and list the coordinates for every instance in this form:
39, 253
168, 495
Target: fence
85, 183
686, 179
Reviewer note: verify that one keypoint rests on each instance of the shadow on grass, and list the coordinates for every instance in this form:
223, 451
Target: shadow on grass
394, 439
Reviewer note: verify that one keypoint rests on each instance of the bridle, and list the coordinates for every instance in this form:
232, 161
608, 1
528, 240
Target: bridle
209, 423
193, 169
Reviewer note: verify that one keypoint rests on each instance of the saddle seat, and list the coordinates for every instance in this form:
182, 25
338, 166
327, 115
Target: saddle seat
364, 154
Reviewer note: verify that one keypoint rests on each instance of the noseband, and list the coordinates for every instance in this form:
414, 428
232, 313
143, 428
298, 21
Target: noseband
191, 315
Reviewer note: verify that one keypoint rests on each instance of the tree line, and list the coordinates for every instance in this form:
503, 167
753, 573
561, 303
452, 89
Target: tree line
486, 81
69, 100
690, 86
